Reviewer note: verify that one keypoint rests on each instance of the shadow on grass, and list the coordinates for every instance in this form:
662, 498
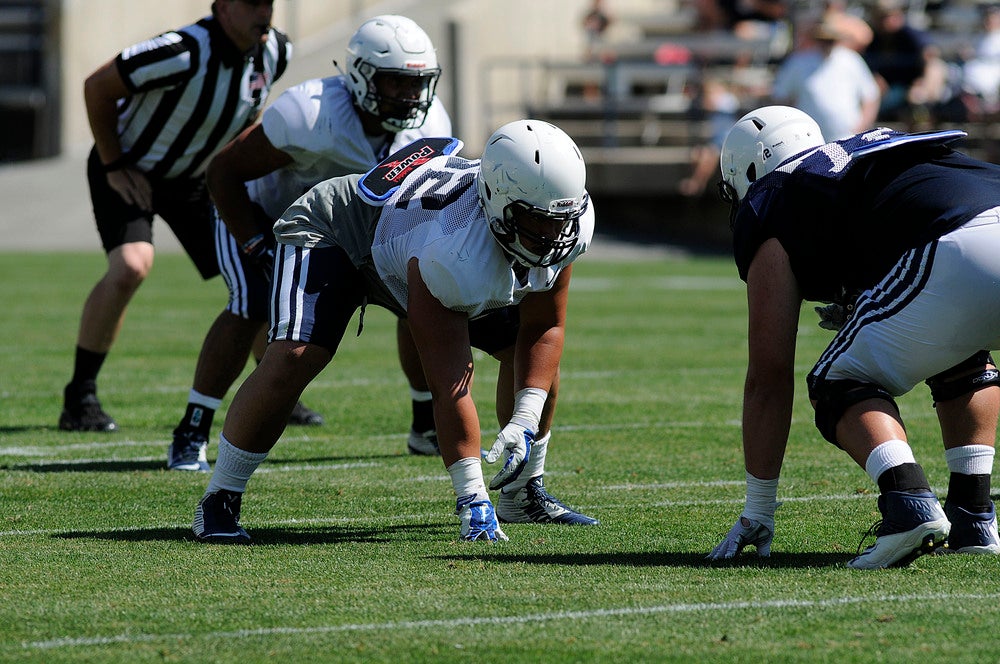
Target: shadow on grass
662, 559
111, 466
27, 429
126, 465
273, 536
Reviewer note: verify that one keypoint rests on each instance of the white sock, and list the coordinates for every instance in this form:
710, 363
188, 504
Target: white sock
888, 455
233, 467
467, 478
535, 465
970, 459
203, 400
420, 395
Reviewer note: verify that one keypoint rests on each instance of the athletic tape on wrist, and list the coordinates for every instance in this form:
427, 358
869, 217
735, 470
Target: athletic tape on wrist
762, 498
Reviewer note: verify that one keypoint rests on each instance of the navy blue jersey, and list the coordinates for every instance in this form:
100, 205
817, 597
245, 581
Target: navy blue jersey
843, 234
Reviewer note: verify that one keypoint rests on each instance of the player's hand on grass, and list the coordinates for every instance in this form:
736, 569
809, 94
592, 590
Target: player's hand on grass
745, 532
514, 445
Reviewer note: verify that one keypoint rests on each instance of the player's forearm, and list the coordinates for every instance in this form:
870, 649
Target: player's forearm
766, 423
233, 203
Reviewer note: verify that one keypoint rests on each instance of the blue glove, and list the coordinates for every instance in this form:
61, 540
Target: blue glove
478, 520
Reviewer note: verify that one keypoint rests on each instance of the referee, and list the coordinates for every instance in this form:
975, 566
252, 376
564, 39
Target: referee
158, 112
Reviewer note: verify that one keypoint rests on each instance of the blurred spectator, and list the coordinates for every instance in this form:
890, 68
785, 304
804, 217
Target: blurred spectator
897, 55
747, 19
718, 105
981, 72
855, 33
595, 24
828, 81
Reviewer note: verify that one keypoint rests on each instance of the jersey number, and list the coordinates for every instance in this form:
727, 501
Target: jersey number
439, 190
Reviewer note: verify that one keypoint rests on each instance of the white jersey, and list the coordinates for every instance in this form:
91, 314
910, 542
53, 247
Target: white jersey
316, 124
436, 217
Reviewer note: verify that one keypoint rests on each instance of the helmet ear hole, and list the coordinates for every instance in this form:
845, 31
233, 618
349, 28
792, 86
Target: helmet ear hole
762, 140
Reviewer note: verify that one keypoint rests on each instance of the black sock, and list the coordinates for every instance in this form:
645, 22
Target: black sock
198, 418
970, 492
86, 366
904, 477
423, 416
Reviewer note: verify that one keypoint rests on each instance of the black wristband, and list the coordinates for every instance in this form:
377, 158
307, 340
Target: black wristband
115, 165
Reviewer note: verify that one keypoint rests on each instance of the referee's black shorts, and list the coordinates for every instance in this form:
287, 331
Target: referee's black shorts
184, 205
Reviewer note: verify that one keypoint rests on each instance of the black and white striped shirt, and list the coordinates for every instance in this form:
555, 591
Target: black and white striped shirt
192, 92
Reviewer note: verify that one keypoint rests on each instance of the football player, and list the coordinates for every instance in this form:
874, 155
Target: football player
477, 253
900, 232
314, 131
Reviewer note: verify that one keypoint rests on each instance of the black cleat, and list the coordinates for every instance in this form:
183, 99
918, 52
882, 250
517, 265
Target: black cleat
303, 416
82, 411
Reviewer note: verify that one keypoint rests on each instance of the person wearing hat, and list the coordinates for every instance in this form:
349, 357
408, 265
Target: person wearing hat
828, 81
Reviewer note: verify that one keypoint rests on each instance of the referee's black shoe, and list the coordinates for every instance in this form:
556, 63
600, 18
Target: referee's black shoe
304, 416
82, 411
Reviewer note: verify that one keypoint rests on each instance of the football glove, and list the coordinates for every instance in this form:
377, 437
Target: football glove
832, 316
478, 520
514, 444
744, 532
259, 251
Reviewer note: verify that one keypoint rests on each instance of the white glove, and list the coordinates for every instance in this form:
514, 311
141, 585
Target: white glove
744, 532
755, 526
514, 443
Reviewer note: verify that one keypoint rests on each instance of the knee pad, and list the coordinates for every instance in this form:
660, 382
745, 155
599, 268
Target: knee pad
834, 397
972, 375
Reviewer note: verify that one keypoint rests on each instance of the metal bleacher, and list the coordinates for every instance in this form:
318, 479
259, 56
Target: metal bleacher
632, 110
28, 80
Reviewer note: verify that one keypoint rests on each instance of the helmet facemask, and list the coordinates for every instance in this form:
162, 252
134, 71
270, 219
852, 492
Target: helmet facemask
538, 237
391, 101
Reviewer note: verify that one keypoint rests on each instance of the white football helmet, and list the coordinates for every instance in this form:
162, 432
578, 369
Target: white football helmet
392, 45
759, 142
532, 188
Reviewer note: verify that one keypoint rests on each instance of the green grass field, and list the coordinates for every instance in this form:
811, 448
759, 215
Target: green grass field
356, 556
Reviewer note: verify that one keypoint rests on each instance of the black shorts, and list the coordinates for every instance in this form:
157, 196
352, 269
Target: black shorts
184, 205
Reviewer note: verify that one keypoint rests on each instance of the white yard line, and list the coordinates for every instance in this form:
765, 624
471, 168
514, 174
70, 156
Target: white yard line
613, 612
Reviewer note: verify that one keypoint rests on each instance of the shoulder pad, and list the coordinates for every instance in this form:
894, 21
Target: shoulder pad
378, 184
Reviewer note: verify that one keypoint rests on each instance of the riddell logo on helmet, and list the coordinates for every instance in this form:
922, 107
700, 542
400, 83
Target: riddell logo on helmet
416, 65
566, 202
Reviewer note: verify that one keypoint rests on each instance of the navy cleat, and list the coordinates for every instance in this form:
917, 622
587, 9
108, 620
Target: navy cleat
972, 532
912, 524
304, 416
217, 519
533, 504
82, 410
187, 452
